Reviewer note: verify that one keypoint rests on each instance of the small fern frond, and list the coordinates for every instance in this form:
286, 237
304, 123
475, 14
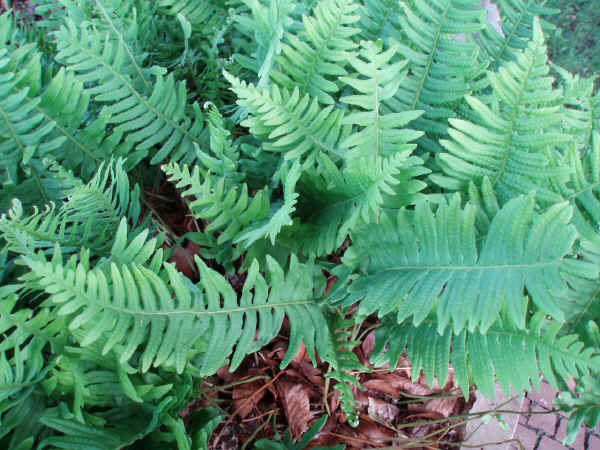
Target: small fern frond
509, 144
380, 134
315, 58
582, 405
482, 359
203, 15
293, 124
379, 19
423, 261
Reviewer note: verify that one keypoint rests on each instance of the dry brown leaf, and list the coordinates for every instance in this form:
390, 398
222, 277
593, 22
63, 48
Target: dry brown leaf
381, 411
368, 345
246, 397
444, 406
394, 384
296, 405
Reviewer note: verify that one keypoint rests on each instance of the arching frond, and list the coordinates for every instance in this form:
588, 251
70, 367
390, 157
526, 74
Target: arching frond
482, 359
423, 261
135, 308
509, 143
315, 58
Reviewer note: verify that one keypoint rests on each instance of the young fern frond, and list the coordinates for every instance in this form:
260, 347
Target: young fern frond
423, 261
481, 359
443, 68
378, 134
583, 406
159, 118
509, 143
315, 58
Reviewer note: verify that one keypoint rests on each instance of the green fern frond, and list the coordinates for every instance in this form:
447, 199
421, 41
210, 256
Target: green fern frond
203, 15
517, 20
292, 123
423, 261
443, 68
90, 218
159, 119
582, 405
380, 134
315, 58
582, 189
483, 358
334, 201
509, 143
138, 308
379, 19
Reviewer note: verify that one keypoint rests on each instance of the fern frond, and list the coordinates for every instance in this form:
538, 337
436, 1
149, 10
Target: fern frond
292, 123
423, 261
442, 67
90, 218
582, 405
136, 308
517, 20
481, 359
380, 134
379, 19
509, 143
159, 119
334, 201
315, 58
203, 15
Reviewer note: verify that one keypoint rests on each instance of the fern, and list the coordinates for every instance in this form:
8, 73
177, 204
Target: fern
313, 60
434, 261
482, 358
508, 144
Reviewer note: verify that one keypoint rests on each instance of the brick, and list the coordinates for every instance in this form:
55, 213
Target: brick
544, 397
527, 437
579, 442
548, 443
544, 422
594, 442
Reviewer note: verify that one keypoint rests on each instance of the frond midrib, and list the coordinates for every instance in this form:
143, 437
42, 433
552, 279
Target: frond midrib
121, 310
431, 56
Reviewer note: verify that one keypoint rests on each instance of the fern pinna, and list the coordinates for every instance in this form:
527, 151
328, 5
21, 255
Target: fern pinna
455, 168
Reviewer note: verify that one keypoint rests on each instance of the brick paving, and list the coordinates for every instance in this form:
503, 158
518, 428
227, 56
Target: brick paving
546, 431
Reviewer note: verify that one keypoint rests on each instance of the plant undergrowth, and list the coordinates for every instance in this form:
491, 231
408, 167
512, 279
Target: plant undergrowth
189, 187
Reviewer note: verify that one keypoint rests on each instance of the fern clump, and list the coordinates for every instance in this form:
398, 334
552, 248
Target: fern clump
442, 169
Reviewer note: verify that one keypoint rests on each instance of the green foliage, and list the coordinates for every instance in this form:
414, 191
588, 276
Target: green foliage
454, 174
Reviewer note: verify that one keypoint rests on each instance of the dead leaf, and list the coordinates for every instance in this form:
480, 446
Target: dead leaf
368, 345
381, 411
296, 405
246, 396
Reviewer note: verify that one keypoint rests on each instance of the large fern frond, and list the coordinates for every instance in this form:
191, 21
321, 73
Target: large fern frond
423, 261
166, 317
315, 58
509, 143
482, 359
